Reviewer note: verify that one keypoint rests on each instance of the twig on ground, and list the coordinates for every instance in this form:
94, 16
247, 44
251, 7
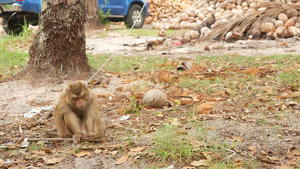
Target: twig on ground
233, 153
127, 128
48, 139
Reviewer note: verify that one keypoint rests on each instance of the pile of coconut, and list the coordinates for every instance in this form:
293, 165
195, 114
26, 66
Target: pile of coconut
272, 18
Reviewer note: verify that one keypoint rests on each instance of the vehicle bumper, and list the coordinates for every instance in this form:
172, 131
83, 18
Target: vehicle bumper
10, 8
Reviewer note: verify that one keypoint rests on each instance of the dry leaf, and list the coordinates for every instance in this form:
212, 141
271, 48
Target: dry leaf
294, 151
206, 154
137, 149
293, 95
237, 138
200, 163
52, 161
122, 159
1, 162
251, 71
82, 153
188, 167
206, 108
114, 153
182, 132
268, 90
253, 149
164, 76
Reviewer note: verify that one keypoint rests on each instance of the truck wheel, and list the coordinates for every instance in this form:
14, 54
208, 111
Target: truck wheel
12, 27
133, 15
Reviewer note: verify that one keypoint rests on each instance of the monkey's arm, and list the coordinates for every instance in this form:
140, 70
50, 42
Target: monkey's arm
60, 124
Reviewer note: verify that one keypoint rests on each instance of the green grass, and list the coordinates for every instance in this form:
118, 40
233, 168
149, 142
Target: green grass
169, 146
124, 64
11, 60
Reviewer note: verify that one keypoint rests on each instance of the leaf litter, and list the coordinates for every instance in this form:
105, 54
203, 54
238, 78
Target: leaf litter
244, 107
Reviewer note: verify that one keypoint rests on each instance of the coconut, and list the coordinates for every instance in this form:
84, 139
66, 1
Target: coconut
282, 17
291, 13
194, 34
280, 30
162, 33
267, 27
205, 31
289, 23
297, 24
156, 98
291, 31
297, 32
279, 23
255, 32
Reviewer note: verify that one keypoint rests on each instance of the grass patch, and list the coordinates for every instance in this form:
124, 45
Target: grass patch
11, 60
170, 148
124, 64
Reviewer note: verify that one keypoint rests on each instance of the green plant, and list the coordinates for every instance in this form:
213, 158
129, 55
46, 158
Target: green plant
134, 107
103, 16
169, 147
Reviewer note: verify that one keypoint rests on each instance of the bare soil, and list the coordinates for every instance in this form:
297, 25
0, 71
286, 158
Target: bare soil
259, 143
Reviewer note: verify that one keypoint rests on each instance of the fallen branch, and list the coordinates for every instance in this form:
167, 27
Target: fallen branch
126, 128
48, 139
176, 108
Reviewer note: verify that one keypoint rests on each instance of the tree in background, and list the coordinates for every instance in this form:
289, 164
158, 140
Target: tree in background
59, 45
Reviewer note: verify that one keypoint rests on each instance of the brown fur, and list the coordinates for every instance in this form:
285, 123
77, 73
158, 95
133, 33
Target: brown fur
77, 106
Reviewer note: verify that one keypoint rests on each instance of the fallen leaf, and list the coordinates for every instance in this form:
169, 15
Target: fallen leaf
237, 138
82, 153
292, 161
122, 159
114, 153
98, 151
273, 158
206, 108
206, 154
182, 132
200, 163
1, 162
292, 95
294, 151
137, 149
251, 71
268, 90
52, 161
253, 149
188, 167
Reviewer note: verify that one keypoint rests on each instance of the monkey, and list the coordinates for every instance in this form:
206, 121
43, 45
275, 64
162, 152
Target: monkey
77, 112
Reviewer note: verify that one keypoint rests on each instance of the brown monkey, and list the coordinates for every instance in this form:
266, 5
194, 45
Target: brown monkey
77, 107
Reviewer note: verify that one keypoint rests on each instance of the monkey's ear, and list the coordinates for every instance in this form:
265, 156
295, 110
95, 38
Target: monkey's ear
84, 83
67, 89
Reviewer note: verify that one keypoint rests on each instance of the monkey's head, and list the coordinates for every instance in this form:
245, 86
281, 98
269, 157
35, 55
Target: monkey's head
78, 95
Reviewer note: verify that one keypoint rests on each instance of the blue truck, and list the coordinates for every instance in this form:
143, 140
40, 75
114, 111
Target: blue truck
17, 13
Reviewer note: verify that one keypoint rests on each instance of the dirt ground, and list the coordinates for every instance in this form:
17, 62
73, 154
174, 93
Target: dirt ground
268, 145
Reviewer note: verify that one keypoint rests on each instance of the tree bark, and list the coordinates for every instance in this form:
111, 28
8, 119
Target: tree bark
92, 15
59, 46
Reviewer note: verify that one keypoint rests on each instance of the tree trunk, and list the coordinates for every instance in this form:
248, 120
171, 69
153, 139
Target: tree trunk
59, 46
92, 15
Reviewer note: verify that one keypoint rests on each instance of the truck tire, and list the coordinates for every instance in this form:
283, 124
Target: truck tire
12, 27
133, 15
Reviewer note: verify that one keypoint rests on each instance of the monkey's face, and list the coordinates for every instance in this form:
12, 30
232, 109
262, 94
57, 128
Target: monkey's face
78, 96
79, 102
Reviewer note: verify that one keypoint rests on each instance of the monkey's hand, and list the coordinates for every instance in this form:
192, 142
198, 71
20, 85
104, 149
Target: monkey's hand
93, 136
76, 137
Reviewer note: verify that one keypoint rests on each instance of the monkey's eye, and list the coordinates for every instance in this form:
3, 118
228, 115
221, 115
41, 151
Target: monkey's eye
75, 98
82, 96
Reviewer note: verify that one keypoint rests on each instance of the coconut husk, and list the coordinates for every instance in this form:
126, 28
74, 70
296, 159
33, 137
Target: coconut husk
245, 24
